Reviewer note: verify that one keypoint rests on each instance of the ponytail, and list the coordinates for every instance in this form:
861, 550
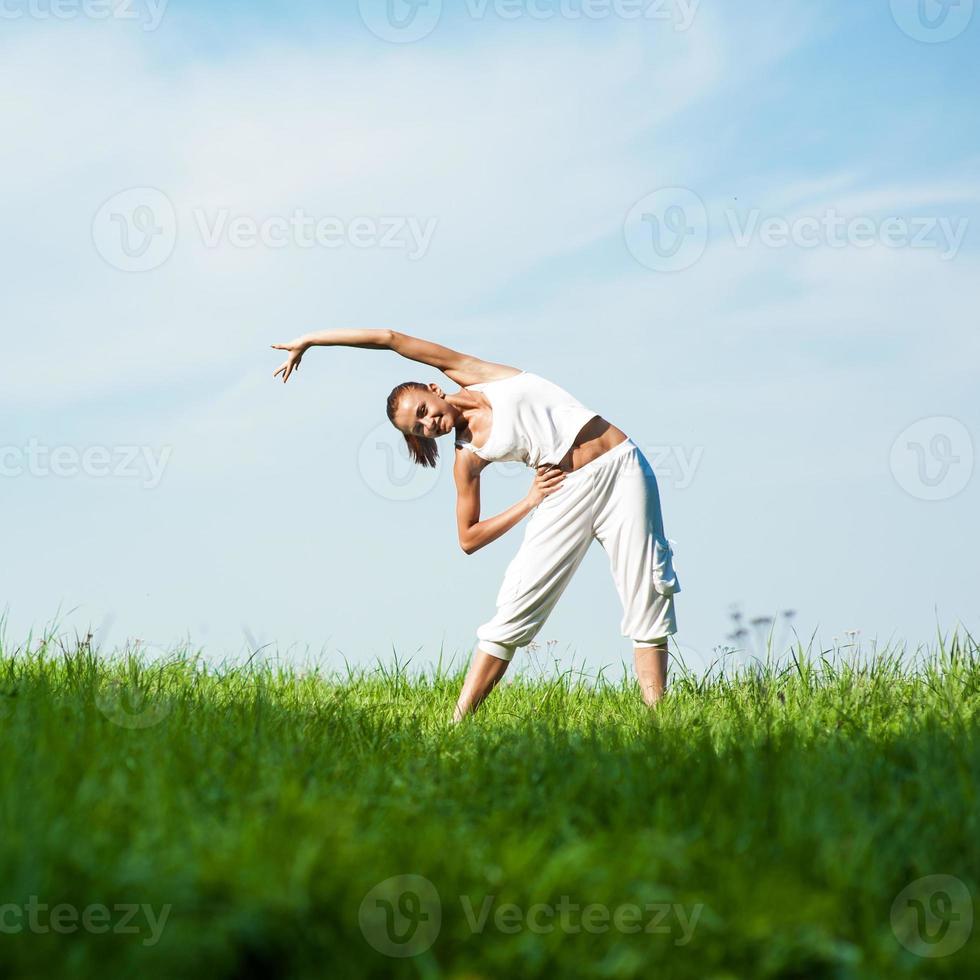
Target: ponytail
422, 450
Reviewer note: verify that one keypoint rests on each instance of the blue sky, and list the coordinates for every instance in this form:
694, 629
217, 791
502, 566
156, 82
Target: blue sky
808, 401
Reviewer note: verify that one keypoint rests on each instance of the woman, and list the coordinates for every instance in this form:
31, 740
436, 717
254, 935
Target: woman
591, 481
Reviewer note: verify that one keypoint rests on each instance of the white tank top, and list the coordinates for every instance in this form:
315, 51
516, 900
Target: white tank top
534, 420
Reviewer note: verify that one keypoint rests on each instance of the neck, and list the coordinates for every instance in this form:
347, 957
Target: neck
467, 404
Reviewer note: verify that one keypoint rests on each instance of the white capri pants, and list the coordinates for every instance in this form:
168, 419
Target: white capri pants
615, 499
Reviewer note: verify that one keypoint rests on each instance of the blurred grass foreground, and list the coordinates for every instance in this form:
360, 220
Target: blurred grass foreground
805, 816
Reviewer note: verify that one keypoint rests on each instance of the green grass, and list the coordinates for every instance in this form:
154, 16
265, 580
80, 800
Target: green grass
777, 811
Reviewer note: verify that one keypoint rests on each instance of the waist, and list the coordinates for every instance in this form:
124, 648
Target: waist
608, 458
596, 438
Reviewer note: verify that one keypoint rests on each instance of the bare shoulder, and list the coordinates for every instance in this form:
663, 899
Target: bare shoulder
474, 370
467, 467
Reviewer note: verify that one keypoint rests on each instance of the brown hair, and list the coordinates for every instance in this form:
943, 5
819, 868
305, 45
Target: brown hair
423, 450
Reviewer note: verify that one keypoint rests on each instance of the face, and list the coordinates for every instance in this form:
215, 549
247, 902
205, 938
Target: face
425, 413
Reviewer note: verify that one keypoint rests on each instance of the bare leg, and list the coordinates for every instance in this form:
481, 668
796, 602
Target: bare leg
651, 671
485, 670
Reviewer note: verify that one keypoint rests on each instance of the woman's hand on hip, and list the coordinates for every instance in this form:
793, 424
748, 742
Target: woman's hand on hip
546, 481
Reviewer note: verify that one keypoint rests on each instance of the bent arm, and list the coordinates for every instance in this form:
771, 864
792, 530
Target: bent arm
474, 533
483, 532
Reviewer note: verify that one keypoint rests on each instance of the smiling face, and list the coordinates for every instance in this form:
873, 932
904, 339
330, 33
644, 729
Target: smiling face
425, 414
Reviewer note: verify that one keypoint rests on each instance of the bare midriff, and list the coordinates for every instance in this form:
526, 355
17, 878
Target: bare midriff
596, 437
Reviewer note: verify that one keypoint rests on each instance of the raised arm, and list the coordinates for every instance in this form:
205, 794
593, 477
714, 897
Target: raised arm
373, 339
464, 369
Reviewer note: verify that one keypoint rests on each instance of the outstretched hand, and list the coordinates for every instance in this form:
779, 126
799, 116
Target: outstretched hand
296, 350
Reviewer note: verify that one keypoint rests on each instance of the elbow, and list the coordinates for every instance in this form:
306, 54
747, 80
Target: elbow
390, 339
468, 546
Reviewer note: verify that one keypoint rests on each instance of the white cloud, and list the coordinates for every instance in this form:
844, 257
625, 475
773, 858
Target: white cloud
529, 154
519, 153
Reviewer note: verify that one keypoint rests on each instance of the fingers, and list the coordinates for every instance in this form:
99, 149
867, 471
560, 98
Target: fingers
549, 482
286, 368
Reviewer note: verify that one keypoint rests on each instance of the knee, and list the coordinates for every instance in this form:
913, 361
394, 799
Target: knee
503, 635
660, 643
503, 651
